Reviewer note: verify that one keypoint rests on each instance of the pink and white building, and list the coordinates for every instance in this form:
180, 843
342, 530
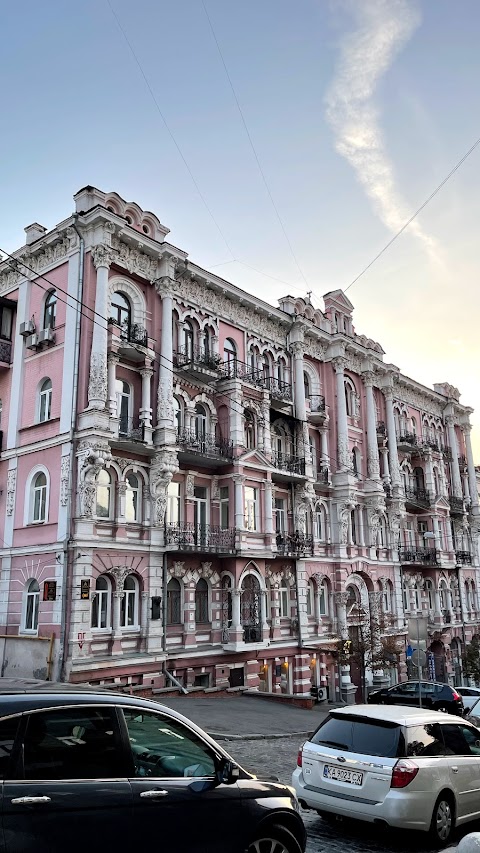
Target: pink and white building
199, 487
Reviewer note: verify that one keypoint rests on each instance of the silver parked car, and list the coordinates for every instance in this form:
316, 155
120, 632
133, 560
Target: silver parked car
469, 695
396, 766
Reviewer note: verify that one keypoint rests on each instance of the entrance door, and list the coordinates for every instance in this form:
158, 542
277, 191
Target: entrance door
200, 516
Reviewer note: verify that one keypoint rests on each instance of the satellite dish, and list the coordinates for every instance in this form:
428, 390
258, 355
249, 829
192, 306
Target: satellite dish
419, 657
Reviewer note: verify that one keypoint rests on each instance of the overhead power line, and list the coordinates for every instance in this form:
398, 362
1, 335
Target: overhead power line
417, 212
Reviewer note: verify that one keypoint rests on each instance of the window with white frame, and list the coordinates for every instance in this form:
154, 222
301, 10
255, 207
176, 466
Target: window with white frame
280, 515
320, 521
382, 533
31, 605
416, 592
173, 503
50, 310
251, 508
224, 508
350, 398
201, 601
313, 453
124, 406
443, 595
311, 597
356, 462
353, 526
306, 386
323, 598
39, 498
132, 498
129, 603
188, 340
229, 356
121, 311
101, 604
284, 600
405, 595
353, 601
45, 401
387, 597
430, 594
200, 422
104, 495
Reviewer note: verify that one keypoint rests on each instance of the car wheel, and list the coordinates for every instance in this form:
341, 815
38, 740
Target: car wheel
274, 839
443, 820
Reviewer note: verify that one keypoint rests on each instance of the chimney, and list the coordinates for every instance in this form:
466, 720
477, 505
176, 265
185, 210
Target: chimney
34, 232
87, 198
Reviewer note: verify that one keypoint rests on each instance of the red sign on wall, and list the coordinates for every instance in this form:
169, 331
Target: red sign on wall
49, 590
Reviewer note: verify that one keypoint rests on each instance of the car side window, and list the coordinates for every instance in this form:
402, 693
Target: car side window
425, 740
8, 734
410, 688
461, 740
428, 689
163, 747
73, 743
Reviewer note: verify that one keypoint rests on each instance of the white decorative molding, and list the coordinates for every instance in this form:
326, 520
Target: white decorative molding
420, 400
11, 486
134, 260
64, 480
14, 271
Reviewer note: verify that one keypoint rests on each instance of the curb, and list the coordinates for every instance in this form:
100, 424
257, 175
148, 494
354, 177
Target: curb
229, 736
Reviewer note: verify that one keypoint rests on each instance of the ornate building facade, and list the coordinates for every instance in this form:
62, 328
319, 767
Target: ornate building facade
200, 488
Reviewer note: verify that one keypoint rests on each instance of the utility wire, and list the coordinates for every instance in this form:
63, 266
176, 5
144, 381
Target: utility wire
409, 221
260, 169
167, 126
203, 386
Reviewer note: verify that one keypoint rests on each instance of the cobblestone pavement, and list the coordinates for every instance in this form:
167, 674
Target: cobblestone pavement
278, 758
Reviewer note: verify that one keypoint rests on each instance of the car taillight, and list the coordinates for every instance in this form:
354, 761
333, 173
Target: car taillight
456, 696
299, 757
403, 773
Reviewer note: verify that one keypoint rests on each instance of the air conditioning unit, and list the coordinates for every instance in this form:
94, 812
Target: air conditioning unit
46, 336
32, 342
27, 328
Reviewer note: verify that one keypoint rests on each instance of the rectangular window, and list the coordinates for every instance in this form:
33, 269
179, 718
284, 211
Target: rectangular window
224, 514
251, 508
280, 515
173, 503
319, 527
39, 503
322, 601
284, 602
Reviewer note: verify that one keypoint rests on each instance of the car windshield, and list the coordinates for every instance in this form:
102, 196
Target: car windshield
365, 737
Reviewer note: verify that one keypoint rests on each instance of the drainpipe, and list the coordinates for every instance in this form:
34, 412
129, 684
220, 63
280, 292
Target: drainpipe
300, 636
67, 579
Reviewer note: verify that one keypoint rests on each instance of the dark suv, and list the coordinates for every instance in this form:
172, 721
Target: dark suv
434, 695
89, 770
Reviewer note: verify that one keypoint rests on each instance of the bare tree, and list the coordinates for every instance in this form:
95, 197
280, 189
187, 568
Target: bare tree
370, 646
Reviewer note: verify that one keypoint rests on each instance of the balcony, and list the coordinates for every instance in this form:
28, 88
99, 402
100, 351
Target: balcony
204, 539
417, 498
5, 353
130, 429
280, 391
421, 556
317, 412
208, 446
462, 463
456, 505
406, 441
463, 558
381, 432
129, 337
294, 544
197, 361
289, 464
433, 443
323, 477
252, 634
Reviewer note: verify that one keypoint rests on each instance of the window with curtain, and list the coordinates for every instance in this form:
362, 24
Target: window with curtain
173, 602
129, 604
201, 601
50, 310
39, 498
132, 498
104, 495
45, 401
32, 601
101, 603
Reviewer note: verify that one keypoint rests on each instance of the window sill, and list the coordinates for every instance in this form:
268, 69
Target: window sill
36, 523
101, 632
27, 632
38, 424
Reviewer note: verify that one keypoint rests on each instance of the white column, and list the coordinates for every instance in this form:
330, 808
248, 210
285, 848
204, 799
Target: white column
372, 444
267, 439
239, 480
113, 360
472, 477
436, 530
97, 383
236, 615
452, 441
429, 479
268, 506
144, 614
146, 411
392, 438
361, 530
117, 603
299, 389
165, 288
344, 461
324, 448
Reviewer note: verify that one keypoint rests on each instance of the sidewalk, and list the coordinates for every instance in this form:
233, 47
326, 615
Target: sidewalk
248, 717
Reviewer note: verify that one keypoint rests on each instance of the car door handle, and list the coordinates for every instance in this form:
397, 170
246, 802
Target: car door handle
153, 794
455, 769
28, 801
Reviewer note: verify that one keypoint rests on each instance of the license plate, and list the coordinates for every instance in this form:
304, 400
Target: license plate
341, 774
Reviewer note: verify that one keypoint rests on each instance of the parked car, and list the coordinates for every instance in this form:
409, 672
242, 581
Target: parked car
473, 713
85, 769
401, 767
469, 695
434, 695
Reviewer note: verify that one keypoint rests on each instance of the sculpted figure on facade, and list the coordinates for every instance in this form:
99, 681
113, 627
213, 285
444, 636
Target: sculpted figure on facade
164, 466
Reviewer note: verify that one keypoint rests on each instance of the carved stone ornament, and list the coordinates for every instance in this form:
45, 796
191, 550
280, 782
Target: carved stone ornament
64, 479
11, 486
315, 349
341, 599
166, 286
102, 256
119, 573
344, 458
165, 399
14, 271
215, 489
134, 260
373, 464
97, 382
88, 497
164, 466
421, 400
176, 570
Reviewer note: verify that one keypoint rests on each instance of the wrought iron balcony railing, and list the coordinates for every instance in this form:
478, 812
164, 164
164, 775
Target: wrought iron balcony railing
6, 352
131, 428
205, 538
317, 405
234, 369
252, 634
423, 556
279, 390
197, 357
134, 333
464, 558
462, 461
293, 464
381, 429
294, 544
407, 438
456, 504
418, 496
323, 475
205, 445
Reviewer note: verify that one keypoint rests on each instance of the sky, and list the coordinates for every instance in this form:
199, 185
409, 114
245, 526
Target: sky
283, 144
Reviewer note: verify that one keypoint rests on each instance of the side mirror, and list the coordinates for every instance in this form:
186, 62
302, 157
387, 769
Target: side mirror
227, 772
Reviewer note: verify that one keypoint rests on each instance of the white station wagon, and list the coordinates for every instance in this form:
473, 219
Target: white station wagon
396, 766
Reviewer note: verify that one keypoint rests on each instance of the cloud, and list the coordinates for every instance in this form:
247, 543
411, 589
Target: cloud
366, 54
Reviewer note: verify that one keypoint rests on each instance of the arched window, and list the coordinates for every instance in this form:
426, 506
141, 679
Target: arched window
382, 533
430, 594
387, 597
173, 602
101, 603
121, 310
414, 427
419, 479
132, 498
436, 481
177, 414
104, 495
249, 427
350, 399
281, 370
50, 310
229, 351
306, 386
207, 342
124, 406
31, 604
353, 601
320, 523
39, 498
201, 601
45, 401
188, 338
129, 603
200, 422
313, 453
353, 526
